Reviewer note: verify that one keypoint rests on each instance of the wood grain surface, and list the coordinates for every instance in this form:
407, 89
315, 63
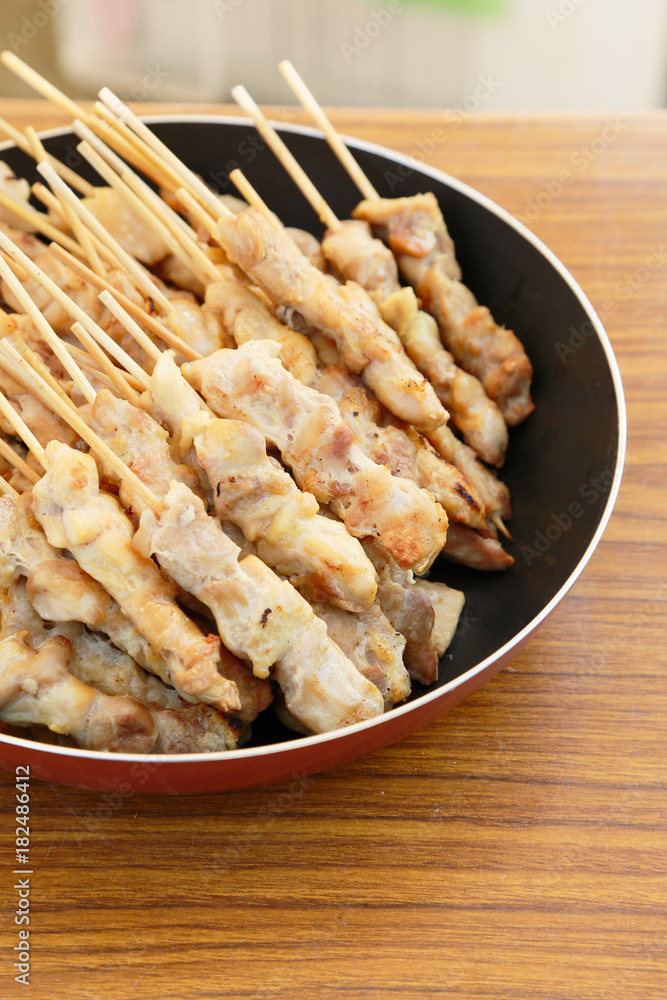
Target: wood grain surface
514, 849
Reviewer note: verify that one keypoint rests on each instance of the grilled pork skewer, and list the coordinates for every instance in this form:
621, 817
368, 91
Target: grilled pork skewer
176, 398
418, 236
249, 489
466, 492
180, 727
322, 688
76, 515
285, 526
37, 688
160, 463
58, 588
273, 261
318, 556
79, 517
121, 389
234, 301
406, 453
250, 384
239, 593
462, 502
473, 413
356, 256
386, 441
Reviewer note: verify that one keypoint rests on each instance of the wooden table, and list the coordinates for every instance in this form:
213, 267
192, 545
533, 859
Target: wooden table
513, 849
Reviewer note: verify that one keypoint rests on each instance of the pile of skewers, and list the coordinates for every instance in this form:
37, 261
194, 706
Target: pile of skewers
225, 461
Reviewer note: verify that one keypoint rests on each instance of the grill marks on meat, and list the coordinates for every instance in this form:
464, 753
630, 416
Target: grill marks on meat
261, 616
141, 443
59, 589
493, 493
274, 262
316, 554
37, 688
470, 548
93, 660
77, 516
402, 449
476, 415
199, 556
369, 640
250, 384
418, 236
246, 317
356, 255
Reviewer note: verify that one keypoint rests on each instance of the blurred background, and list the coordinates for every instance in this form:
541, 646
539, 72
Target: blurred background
522, 55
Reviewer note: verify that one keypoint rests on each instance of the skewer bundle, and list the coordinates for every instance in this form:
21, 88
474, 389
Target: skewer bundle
221, 485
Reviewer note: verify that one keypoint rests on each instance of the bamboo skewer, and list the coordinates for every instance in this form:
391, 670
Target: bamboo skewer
163, 230
16, 421
205, 269
252, 197
8, 489
117, 352
124, 318
18, 462
49, 200
291, 165
88, 362
73, 220
74, 110
123, 171
157, 328
42, 369
199, 189
193, 206
40, 222
125, 359
70, 176
39, 366
186, 245
129, 263
41, 85
44, 392
116, 377
46, 331
140, 155
75, 311
304, 96
89, 365
116, 134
